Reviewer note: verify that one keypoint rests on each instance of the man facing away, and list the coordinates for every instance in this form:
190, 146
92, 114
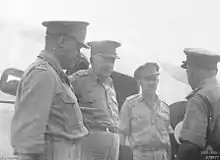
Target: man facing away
47, 122
96, 95
144, 118
201, 124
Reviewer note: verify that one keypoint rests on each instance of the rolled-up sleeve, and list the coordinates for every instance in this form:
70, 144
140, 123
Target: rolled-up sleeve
195, 122
169, 127
124, 119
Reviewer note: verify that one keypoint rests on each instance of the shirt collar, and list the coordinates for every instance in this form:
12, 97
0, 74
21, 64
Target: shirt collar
92, 74
206, 82
141, 99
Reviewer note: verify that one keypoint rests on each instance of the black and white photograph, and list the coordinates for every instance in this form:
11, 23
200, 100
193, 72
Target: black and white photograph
109, 80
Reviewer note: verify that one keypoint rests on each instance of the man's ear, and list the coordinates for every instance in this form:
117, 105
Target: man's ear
61, 41
91, 60
138, 82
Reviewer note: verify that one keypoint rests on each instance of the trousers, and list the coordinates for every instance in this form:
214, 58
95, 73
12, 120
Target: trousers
100, 145
55, 150
150, 155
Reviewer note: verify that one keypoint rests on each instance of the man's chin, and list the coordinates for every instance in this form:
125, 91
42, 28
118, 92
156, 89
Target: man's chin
152, 91
107, 74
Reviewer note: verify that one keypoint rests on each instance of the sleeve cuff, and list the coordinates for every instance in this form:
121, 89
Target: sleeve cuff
192, 137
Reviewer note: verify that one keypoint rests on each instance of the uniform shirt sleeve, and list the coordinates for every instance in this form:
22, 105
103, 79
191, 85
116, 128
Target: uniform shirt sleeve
195, 122
125, 119
35, 99
170, 129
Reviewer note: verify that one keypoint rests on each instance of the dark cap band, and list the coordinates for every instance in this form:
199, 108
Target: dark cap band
200, 58
151, 68
75, 29
106, 48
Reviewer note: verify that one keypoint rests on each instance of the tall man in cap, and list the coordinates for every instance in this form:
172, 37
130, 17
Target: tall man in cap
47, 123
201, 124
95, 92
145, 119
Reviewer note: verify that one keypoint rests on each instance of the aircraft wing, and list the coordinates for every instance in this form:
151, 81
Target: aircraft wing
174, 71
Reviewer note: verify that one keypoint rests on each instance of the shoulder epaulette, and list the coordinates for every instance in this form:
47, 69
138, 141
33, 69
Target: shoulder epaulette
132, 101
41, 66
132, 97
77, 74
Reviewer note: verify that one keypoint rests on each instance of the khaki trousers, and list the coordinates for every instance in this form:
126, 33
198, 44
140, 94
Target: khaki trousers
100, 145
55, 150
150, 155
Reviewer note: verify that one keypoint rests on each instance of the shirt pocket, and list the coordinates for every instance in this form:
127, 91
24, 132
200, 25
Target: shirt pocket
162, 122
71, 113
138, 122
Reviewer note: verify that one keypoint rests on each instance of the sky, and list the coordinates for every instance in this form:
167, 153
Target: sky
148, 30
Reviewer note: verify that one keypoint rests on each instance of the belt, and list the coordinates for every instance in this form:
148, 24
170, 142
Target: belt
105, 129
149, 148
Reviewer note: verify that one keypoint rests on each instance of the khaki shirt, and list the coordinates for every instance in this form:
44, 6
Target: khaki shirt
44, 103
196, 118
143, 125
97, 99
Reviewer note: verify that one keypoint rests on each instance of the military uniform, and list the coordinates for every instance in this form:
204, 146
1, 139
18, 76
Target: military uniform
97, 99
147, 129
202, 111
177, 111
47, 122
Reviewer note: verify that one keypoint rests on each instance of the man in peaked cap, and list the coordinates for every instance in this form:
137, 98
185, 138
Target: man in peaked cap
96, 95
47, 122
145, 119
201, 123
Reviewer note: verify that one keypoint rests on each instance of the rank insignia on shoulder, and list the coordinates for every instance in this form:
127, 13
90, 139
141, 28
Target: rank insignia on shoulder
41, 66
